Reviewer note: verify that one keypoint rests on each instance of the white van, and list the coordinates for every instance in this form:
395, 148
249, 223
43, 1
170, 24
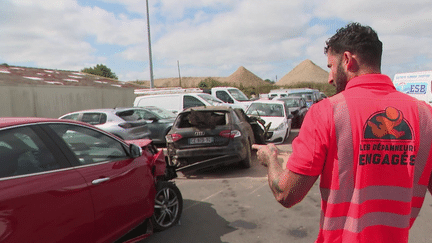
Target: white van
415, 84
177, 102
277, 94
230, 95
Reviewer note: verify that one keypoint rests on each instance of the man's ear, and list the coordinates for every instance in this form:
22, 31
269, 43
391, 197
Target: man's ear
350, 62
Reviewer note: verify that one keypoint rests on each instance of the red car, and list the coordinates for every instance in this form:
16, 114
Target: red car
66, 181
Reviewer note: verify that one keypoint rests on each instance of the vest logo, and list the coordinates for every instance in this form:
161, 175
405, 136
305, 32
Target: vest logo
387, 124
387, 140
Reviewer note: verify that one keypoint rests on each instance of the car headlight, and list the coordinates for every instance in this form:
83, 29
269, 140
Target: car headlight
280, 127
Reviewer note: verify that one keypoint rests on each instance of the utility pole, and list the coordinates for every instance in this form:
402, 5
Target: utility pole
149, 47
178, 66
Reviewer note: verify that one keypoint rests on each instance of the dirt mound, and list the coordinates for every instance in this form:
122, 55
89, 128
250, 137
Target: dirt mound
240, 76
186, 82
306, 71
245, 77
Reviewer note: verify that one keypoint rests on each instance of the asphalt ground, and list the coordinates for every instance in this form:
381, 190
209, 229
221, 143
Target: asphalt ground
235, 205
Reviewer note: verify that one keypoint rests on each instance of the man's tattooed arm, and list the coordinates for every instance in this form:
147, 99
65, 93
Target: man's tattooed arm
288, 187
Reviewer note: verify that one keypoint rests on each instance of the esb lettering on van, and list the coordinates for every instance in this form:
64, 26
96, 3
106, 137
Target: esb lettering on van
415, 84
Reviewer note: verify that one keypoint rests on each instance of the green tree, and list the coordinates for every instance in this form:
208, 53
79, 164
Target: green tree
100, 70
209, 83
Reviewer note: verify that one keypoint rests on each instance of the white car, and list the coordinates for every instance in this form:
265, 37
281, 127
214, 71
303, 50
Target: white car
176, 102
275, 113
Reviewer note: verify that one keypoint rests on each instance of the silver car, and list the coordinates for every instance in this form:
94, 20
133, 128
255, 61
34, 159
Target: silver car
122, 122
159, 120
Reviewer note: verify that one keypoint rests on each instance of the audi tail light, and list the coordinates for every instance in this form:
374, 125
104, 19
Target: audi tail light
170, 138
230, 134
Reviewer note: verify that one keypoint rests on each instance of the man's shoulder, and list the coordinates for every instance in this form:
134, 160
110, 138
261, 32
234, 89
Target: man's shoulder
327, 103
320, 111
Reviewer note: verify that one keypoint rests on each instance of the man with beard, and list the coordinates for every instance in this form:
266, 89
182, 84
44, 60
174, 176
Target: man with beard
369, 144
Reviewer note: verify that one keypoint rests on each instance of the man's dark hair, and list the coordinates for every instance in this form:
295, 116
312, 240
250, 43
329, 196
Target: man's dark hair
359, 40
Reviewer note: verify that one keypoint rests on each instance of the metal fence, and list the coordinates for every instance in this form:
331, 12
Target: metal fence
54, 101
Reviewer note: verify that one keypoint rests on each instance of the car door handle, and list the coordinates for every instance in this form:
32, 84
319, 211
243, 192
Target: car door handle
98, 181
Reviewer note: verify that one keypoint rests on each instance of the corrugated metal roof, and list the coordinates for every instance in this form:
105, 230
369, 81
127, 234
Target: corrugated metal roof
13, 75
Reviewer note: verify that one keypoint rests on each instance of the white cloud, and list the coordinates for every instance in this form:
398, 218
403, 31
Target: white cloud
53, 33
253, 32
134, 76
174, 9
386, 16
46, 4
316, 30
208, 37
406, 53
403, 27
315, 52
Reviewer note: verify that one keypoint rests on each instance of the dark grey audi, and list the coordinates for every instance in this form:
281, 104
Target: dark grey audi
204, 137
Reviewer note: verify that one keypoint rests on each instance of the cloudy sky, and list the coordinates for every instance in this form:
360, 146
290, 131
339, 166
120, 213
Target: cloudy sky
205, 37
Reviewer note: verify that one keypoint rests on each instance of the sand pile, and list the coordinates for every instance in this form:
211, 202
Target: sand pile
306, 71
245, 77
240, 76
186, 82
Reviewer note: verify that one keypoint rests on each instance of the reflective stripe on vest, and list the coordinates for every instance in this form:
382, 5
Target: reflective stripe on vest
425, 118
349, 194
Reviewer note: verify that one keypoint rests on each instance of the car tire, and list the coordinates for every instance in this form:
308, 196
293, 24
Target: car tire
246, 162
168, 206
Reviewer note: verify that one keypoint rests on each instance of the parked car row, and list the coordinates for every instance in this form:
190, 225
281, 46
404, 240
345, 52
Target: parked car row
129, 123
203, 144
68, 181
311, 96
177, 100
199, 130
103, 163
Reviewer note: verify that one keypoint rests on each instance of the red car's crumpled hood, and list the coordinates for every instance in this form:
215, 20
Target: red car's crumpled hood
140, 142
157, 160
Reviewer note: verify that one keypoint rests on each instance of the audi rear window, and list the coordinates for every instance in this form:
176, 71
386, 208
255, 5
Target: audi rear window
202, 119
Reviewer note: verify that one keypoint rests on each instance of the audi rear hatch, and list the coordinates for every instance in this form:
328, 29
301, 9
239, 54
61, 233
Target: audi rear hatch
201, 129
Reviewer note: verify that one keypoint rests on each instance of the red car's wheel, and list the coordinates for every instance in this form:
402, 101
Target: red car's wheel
168, 206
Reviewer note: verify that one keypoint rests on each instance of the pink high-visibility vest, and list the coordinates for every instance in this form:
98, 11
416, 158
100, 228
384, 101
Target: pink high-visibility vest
371, 145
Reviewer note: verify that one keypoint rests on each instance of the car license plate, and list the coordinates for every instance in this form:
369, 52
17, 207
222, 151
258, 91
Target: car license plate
200, 140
